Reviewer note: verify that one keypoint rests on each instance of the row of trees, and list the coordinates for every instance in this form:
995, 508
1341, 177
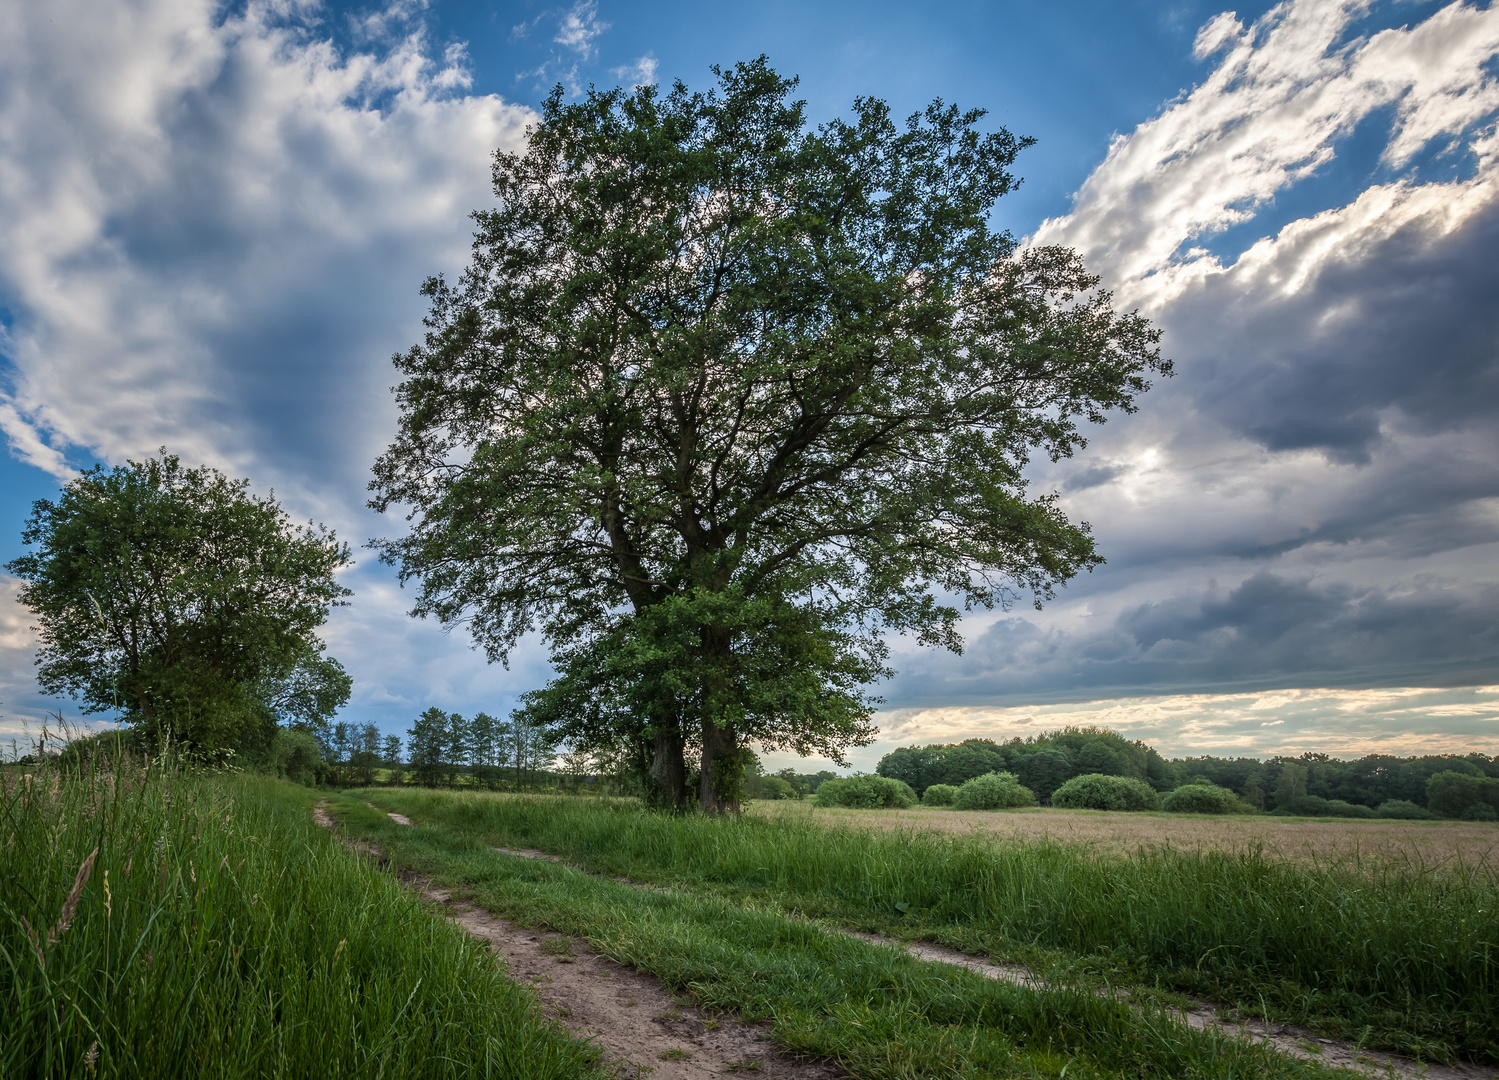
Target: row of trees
1045, 762
441, 745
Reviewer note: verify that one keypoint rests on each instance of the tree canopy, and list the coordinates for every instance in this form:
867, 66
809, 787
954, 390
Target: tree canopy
723, 398
179, 598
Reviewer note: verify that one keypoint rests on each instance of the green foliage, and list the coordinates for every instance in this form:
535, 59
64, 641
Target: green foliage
298, 756
938, 795
993, 791
720, 390
865, 793
1200, 799
1451, 793
156, 926
1480, 812
178, 599
1098, 792
1403, 809
1400, 956
1045, 771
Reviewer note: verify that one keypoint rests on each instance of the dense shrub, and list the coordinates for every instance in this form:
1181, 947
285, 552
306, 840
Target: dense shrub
865, 793
1480, 812
774, 787
938, 795
1098, 792
1200, 799
1316, 806
993, 791
1403, 809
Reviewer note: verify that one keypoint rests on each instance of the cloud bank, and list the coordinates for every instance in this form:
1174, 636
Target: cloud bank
1313, 501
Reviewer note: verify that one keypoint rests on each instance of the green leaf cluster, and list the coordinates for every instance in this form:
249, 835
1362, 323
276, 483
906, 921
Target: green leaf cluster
183, 602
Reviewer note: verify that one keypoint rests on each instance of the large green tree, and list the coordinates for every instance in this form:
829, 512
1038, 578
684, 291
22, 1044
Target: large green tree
737, 396
184, 601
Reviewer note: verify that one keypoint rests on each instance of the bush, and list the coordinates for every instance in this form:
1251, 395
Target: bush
993, 791
1480, 812
1403, 809
298, 757
1096, 791
938, 795
1200, 799
1339, 808
774, 787
865, 793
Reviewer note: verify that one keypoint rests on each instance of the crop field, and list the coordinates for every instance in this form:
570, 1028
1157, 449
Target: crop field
1423, 845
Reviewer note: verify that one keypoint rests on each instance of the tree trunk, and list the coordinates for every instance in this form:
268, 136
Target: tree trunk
718, 792
668, 771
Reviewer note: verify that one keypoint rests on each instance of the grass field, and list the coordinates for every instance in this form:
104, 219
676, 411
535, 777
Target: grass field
1402, 960
1422, 845
155, 926
882, 1014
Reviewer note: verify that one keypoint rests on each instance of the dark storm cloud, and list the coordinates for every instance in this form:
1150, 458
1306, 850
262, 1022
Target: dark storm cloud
1267, 631
1403, 339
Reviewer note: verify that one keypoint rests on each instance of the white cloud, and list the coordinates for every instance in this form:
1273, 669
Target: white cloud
1268, 117
212, 230
641, 73
580, 27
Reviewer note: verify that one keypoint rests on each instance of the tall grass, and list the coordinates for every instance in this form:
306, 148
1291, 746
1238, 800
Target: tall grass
155, 925
880, 1013
1406, 960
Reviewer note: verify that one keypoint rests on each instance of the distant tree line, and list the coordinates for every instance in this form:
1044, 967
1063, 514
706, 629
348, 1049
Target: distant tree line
1312, 784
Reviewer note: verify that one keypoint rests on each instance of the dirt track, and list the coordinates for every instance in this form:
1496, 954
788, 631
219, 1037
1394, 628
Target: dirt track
640, 1024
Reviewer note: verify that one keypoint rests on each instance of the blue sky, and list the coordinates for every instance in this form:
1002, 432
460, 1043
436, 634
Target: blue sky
214, 221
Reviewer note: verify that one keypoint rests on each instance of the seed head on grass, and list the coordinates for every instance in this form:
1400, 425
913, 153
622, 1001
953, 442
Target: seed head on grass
70, 905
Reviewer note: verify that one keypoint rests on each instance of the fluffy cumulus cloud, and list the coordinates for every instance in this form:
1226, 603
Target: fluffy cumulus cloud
1313, 500
201, 218
212, 231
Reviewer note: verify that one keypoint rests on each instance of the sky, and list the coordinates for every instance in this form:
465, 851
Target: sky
214, 222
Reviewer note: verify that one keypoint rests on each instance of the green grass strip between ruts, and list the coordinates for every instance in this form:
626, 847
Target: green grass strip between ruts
879, 1012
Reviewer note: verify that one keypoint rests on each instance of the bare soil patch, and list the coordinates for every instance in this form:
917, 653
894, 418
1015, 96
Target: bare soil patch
1424, 844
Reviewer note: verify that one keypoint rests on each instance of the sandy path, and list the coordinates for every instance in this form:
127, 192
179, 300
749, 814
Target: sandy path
644, 1030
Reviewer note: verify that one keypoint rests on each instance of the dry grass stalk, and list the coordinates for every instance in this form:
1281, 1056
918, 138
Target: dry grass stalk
70, 905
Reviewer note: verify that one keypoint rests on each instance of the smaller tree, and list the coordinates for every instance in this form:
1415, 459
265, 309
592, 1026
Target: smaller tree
426, 746
390, 753
184, 602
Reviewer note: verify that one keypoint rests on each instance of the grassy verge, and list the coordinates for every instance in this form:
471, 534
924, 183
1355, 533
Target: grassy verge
873, 1008
1362, 950
158, 926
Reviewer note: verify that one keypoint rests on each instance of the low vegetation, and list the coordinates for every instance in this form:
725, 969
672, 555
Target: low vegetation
865, 793
1096, 791
153, 924
877, 1011
992, 791
1358, 948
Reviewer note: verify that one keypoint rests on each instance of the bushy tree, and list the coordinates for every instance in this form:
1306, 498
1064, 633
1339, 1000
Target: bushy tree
736, 396
1403, 809
1200, 799
1098, 792
938, 795
865, 793
1045, 771
178, 598
993, 791
1450, 793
